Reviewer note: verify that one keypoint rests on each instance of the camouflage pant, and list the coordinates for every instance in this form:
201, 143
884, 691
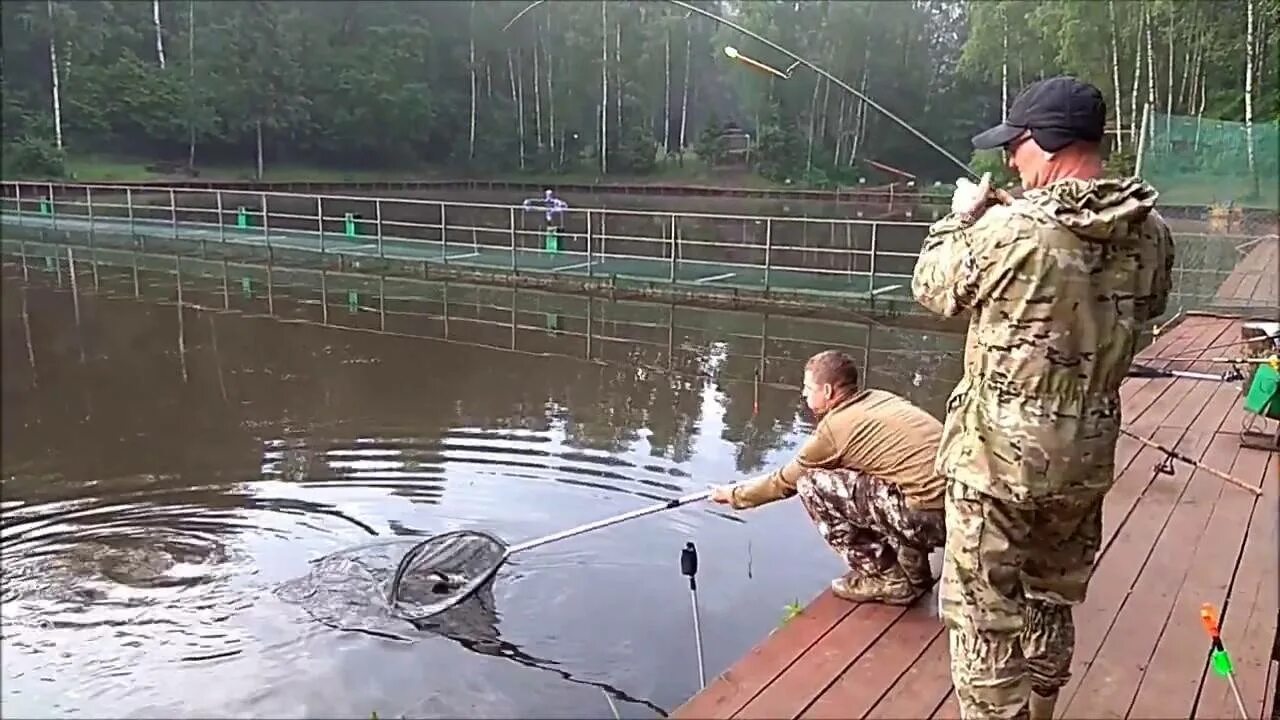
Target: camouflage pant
1010, 576
866, 520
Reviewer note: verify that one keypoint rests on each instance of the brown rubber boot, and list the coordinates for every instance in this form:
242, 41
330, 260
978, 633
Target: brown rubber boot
890, 587
1041, 706
915, 565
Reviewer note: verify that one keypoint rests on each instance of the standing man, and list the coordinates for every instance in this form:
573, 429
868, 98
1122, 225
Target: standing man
1058, 284
867, 480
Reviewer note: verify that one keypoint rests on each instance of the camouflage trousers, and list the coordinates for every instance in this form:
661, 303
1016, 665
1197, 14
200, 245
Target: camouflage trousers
1011, 574
867, 520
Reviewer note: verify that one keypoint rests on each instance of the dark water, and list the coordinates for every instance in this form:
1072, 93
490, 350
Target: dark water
164, 472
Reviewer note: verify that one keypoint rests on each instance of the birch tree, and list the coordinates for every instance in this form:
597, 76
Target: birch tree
155, 15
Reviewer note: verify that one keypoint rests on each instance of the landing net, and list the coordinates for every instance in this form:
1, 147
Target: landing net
377, 586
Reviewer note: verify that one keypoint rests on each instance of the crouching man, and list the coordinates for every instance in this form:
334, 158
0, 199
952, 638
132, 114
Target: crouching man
866, 477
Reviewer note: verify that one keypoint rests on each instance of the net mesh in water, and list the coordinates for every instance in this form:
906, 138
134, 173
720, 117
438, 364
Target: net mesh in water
352, 589
444, 570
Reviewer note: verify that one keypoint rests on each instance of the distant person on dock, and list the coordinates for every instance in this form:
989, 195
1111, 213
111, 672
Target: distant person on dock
866, 478
553, 206
1059, 284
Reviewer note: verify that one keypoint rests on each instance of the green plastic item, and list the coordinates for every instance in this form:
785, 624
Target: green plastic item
350, 225
552, 242
353, 300
46, 207
1263, 397
246, 286
1221, 663
242, 217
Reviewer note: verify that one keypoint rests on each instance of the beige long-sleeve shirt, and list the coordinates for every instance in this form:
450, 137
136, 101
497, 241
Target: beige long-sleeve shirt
875, 432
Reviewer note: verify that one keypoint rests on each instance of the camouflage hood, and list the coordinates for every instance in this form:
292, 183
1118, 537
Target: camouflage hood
1104, 209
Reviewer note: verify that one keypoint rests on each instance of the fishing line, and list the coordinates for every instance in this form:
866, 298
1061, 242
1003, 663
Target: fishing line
737, 55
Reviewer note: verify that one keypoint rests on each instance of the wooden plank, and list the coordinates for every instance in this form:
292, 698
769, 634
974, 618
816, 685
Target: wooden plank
950, 710
919, 691
1122, 561
930, 677
734, 688
822, 663
1198, 332
1171, 680
860, 687
1111, 681
1249, 612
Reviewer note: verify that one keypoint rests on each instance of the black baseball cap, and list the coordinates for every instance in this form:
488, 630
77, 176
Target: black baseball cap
1057, 111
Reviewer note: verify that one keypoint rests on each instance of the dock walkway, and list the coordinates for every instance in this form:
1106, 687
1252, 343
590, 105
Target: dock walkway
1170, 543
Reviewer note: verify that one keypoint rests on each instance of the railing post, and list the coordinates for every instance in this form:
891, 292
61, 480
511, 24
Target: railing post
673, 247
324, 297
872, 283
128, 201
17, 188
53, 208
88, 201
173, 213
768, 249
511, 224
590, 272
222, 225
377, 211
444, 240
320, 220
266, 234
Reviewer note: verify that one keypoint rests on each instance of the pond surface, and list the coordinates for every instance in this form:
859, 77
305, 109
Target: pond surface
166, 470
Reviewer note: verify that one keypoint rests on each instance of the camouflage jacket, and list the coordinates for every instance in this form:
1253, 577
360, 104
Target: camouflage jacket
1059, 284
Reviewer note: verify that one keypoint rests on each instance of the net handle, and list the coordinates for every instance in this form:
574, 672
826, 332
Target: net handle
605, 522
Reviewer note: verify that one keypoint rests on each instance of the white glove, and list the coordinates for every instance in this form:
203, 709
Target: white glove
970, 199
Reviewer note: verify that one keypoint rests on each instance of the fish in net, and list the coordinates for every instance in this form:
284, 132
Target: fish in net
415, 579
351, 589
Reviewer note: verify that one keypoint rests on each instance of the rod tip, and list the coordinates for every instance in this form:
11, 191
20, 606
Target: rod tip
731, 51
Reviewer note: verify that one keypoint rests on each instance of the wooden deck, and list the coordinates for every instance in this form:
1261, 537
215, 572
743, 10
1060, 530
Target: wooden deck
1255, 281
1170, 543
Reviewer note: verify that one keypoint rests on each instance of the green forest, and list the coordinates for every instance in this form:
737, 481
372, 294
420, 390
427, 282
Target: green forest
592, 87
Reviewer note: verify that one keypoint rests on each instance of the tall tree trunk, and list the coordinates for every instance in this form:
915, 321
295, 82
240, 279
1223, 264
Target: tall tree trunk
1168, 96
517, 98
537, 83
488, 80
666, 99
1115, 75
1188, 59
471, 65
1204, 77
1137, 82
604, 87
813, 118
1248, 96
840, 128
552, 137
1151, 60
617, 78
860, 129
684, 94
191, 84
155, 19
53, 68
1004, 64
258, 126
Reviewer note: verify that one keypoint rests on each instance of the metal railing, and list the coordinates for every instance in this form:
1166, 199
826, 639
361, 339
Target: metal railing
764, 349
834, 259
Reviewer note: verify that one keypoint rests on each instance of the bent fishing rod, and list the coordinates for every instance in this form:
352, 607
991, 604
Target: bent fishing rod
737, 55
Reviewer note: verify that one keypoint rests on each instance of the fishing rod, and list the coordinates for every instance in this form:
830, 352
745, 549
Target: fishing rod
737, 55
1138, 370
1166, 467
